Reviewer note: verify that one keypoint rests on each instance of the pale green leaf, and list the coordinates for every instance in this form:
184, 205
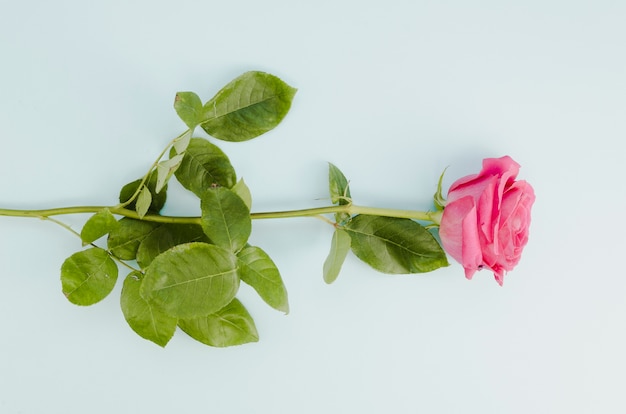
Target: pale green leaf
188, 106
146, 320
339, 248
204, 165
165, 237
339, 190
98, 225
338, 185
165, 170
242, 190
395, 245
247, 107
182, 142
225, 218
88, 276
191, 280
438, 198
258, 270
231, 325
144, 200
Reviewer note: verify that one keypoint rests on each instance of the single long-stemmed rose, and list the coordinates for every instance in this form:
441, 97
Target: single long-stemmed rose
185, 271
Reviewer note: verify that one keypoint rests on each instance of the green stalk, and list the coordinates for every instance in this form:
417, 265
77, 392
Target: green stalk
351, 209
44, 213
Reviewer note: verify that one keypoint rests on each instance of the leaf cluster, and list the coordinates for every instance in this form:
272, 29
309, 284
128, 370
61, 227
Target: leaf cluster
388, 244
187, 274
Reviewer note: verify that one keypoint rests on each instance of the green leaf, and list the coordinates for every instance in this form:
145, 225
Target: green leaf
439, 200
242, 190
165, 237
98, 225
339, 190
146, 320
182, 141
247, 107
395, 245
231, 325
165, 170
124, 240
225, 218
338, 185
204, 165
188, 106
258, 270
158, 197
144, 200
191, 280
88, 276
339, 248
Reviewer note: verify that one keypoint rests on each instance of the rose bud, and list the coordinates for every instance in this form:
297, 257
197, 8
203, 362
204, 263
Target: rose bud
486, 218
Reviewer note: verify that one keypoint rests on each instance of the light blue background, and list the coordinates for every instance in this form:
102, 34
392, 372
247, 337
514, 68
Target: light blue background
390, 92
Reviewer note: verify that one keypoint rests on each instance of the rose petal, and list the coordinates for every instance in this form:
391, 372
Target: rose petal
459, 234
472, 252
503, 167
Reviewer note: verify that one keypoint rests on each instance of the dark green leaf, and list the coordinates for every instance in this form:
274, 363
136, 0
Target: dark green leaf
124, 240
146, 320
188, 106
158, 198
98, 225
225, 218
165, 237
258, 270
247, 107
339, 248
231, 325
191, 280
88, 276
204, 165
395, 245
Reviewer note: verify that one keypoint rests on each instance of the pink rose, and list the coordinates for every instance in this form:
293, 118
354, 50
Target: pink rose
486, 218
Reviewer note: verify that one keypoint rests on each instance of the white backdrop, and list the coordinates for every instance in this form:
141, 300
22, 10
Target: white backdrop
392, 93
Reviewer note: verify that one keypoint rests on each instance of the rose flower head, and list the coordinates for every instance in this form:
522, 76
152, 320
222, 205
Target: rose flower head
486, 218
